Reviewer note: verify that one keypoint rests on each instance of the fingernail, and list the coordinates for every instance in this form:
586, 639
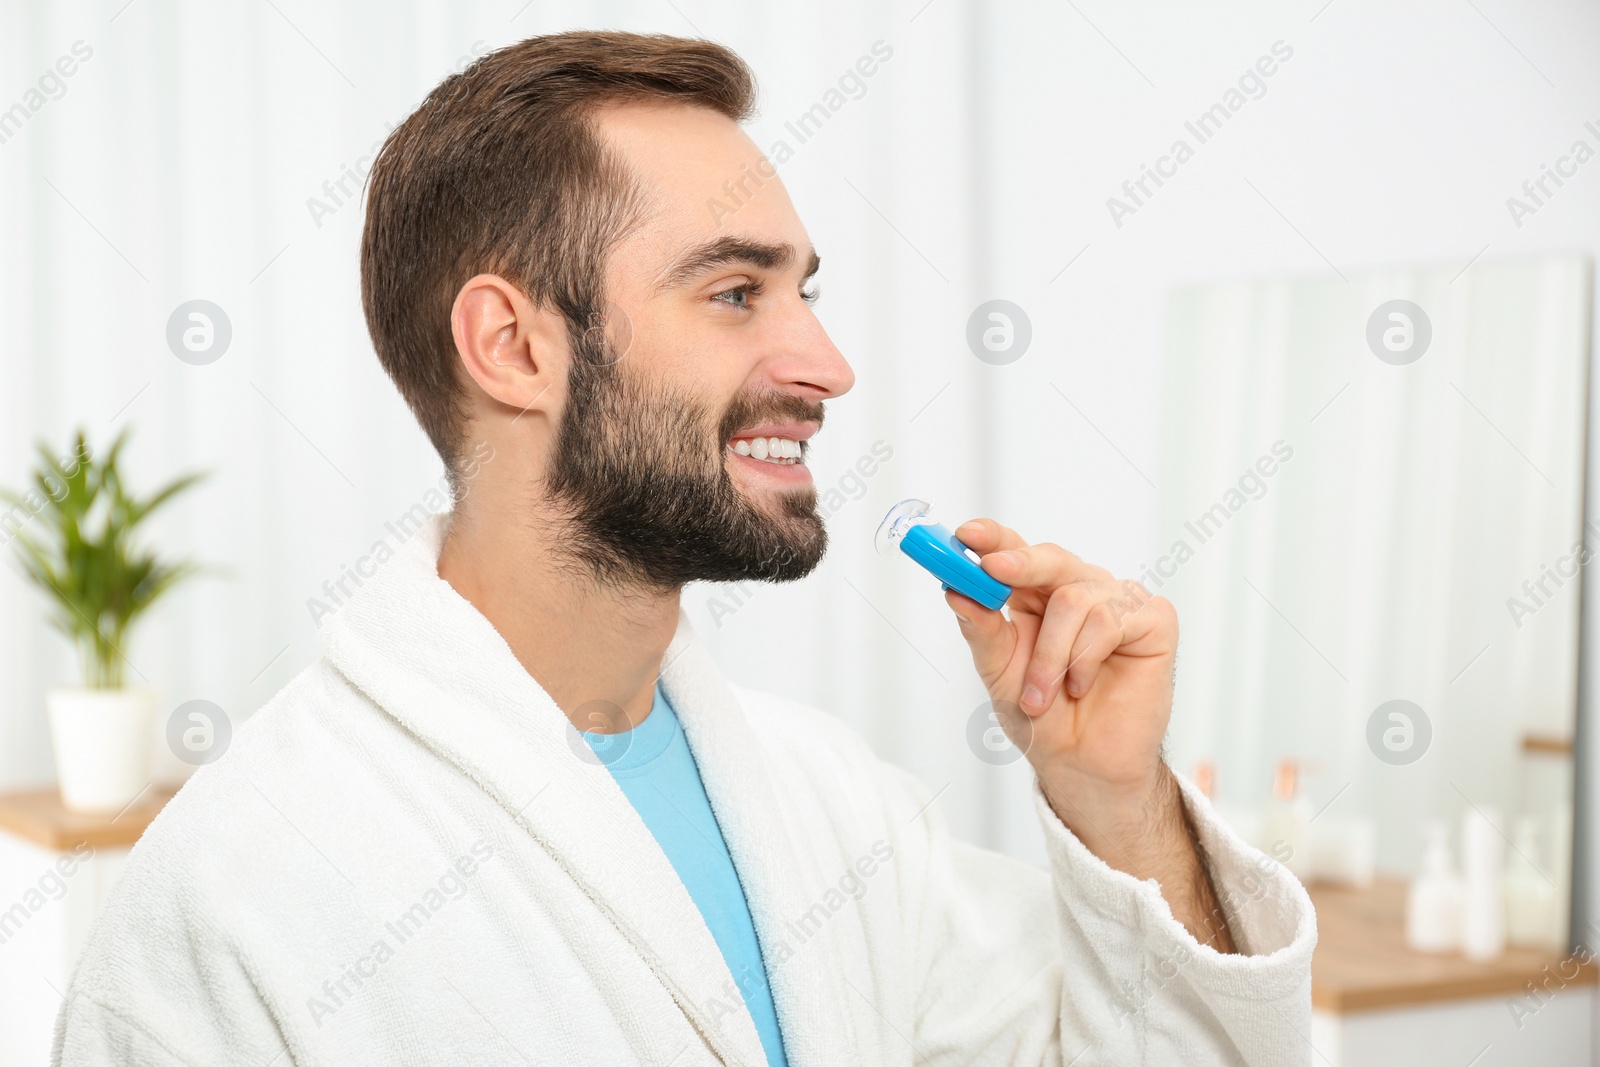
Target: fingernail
1032, 696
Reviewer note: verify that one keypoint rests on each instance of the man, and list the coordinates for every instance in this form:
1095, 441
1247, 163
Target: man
412, 854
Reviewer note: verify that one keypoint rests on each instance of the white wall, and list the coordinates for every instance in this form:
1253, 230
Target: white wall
976, 165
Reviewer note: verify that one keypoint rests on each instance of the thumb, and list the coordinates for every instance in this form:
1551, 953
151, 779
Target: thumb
990, 635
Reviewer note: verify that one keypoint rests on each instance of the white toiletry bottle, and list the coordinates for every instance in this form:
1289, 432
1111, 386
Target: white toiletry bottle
1433, 905
1483, 907
1530, 897
1286, 828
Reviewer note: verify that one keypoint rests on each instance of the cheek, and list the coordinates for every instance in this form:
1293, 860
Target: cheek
689, 358
696, 359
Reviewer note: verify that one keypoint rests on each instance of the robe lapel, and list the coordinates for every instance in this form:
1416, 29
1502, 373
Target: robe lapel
810, 998
434, 663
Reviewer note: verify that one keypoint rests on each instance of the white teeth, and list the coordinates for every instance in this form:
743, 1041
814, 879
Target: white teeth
782, 450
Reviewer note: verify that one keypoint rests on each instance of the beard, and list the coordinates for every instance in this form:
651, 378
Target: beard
641, 479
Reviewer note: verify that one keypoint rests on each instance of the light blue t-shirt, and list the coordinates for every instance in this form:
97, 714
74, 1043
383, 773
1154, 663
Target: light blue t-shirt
653, 765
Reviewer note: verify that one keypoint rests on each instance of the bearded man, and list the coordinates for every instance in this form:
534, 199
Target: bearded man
515, 813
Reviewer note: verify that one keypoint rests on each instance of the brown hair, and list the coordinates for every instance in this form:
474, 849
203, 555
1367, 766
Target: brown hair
499, 171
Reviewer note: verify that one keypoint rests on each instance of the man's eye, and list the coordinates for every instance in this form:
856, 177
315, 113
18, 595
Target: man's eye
739, 296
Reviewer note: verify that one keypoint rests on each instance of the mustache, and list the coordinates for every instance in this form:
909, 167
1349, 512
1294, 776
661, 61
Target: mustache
768, 406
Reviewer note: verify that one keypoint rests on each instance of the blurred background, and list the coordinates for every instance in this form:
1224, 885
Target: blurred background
1304, 287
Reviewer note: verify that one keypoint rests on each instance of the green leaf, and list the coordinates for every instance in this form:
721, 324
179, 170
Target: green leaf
79, 550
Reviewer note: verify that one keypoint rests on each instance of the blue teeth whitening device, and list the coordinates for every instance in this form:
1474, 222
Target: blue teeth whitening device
936, 550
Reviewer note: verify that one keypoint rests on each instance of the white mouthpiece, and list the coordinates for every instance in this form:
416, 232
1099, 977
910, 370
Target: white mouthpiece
901, 517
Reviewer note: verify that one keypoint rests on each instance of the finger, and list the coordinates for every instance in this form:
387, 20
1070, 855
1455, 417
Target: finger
1064, 615
1041, 566
989, 634
1100, 636
986, 535
1129, 621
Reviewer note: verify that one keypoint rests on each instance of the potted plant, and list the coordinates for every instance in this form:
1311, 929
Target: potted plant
83, 558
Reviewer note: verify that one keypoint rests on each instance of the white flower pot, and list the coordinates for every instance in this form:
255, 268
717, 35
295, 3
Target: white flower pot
102, 742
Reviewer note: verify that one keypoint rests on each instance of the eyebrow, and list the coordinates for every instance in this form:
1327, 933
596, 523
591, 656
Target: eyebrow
729, 250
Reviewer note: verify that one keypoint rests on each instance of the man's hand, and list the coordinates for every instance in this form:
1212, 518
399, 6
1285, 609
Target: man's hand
1088, 662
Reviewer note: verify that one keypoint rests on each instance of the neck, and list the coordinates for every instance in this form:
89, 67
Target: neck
595, 647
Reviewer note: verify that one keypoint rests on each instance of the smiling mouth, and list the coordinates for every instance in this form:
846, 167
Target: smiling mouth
782, 451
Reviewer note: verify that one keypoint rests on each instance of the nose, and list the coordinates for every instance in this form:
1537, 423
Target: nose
808, 361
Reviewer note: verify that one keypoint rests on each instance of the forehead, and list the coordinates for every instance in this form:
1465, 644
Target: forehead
702, 179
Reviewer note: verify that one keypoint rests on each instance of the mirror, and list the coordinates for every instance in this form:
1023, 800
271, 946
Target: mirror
1371, 522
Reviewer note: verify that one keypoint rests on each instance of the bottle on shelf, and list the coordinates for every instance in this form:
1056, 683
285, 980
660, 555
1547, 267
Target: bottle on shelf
1433, 903
1530, 892
1483, 901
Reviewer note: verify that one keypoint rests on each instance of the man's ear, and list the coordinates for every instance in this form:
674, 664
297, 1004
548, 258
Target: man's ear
514, 350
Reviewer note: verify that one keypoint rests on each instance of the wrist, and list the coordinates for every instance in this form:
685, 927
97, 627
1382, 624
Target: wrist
1125, 822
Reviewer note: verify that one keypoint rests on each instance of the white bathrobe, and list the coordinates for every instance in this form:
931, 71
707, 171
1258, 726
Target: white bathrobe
406, 858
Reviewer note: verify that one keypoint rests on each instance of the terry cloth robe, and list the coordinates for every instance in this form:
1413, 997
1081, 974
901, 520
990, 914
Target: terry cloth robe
404, 858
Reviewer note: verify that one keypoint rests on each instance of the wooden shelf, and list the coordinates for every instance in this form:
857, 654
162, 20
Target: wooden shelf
1547, 744
1362, 962
38, 816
